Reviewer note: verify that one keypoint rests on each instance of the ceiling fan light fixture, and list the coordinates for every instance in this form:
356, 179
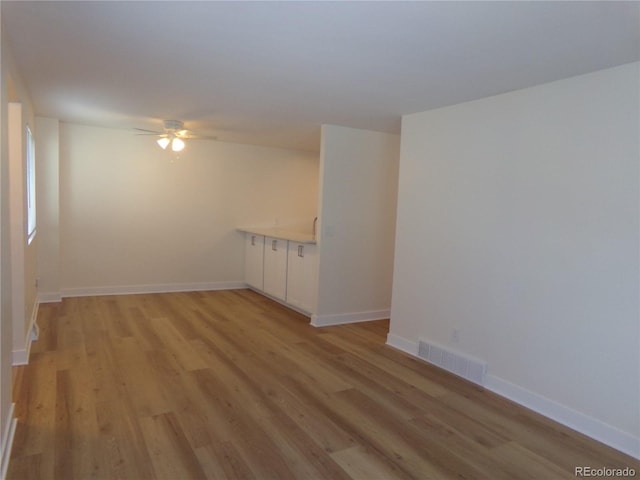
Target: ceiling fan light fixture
177, 145
164, 142
174, 134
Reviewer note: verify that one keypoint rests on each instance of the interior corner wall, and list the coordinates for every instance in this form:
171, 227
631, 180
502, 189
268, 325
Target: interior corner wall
13, 90
23, 253
518, 226
17, 211
358, 170
136, 218
48, 208
6, 340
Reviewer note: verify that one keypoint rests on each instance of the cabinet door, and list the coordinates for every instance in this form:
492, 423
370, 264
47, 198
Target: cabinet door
254, 260
302, 276
275, 267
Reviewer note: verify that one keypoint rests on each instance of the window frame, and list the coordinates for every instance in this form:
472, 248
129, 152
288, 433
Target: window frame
30, 157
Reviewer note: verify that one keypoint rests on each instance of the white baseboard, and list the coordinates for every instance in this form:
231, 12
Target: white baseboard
49, 297
7, 442
21, 356
591, 427
278, 300
403, 344
344, 318
153, 288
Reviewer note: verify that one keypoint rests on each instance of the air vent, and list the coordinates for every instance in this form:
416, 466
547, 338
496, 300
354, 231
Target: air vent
34, 333
464, 366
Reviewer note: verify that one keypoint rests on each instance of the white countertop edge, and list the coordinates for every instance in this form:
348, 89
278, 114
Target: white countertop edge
280, 233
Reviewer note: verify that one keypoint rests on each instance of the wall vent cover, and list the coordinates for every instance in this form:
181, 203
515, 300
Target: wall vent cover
464, 366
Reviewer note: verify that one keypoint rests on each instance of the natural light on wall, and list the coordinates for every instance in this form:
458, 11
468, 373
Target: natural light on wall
31, 187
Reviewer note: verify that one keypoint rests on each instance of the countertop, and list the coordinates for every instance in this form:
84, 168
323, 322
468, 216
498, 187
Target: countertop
281, 233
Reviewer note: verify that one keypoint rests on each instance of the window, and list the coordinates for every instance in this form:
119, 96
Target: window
31, 187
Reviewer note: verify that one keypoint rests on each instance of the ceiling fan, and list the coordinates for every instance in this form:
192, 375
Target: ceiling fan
174, 134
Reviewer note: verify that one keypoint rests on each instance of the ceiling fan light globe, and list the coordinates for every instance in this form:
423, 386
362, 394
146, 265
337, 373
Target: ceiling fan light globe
163, 142
177, 145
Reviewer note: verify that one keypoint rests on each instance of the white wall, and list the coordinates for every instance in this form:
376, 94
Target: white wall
358, 170
18, 212
6, 341
18, 272
136, 218
48, 216
23, 253
518, 224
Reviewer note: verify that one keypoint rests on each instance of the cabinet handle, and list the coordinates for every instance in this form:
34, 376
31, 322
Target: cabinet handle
301, 250
274, 244
253, 240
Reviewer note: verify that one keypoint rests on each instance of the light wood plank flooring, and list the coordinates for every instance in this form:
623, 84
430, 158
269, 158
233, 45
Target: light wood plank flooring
230, 385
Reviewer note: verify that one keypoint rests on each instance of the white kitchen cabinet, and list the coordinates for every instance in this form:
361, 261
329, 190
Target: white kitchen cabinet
282, 265
275, 267
254, 260
302, 276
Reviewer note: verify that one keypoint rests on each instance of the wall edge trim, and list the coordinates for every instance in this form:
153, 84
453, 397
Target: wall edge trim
7, 441
49, 297
21, 356
574, 419
346, 318
566, 416
150, 288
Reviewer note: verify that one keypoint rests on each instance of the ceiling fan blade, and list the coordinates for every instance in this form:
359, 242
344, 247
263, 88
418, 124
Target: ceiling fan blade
171, 131
189, 134
148, 132
202, 137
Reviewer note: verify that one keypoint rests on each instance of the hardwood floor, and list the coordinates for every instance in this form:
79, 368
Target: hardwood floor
230, 385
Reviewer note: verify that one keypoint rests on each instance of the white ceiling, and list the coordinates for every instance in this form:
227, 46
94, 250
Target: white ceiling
271, 73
